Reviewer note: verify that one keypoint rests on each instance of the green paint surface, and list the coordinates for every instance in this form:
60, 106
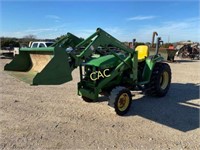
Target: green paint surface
105, 61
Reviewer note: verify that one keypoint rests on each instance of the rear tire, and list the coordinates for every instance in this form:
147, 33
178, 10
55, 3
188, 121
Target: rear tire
160, 80
121, 99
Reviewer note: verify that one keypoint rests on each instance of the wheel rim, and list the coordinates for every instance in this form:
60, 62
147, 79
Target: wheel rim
164, 80
123, 102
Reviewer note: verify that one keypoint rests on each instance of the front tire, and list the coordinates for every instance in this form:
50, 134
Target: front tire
160, 80
121, 99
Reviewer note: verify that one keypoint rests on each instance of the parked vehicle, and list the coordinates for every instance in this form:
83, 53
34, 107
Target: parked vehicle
38, 44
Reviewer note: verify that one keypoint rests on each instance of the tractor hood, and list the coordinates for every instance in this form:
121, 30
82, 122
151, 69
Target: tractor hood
107, 61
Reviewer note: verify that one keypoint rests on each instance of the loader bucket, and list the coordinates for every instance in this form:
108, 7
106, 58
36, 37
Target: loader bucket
57, 71
30, 58
44, 66
47, 66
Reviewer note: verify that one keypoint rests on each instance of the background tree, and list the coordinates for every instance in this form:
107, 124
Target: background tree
9, 43
26, 39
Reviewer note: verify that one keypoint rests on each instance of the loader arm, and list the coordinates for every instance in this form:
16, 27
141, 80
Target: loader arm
99, 38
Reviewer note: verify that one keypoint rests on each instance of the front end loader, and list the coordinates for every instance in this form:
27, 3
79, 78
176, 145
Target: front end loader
108, 67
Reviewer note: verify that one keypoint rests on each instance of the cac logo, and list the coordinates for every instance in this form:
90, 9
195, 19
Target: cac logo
97, 74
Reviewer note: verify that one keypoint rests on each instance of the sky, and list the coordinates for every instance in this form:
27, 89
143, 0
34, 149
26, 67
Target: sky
173, 20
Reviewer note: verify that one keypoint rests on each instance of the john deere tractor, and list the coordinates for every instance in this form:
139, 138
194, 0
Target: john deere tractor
108, 67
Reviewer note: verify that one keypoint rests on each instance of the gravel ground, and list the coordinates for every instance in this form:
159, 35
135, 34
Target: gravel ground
54, 117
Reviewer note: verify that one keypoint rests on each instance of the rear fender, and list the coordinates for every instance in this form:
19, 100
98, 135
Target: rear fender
149, 66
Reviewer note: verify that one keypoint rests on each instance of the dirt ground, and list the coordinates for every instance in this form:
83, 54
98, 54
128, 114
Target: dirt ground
54, 117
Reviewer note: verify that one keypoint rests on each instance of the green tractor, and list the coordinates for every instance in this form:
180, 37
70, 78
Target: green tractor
108, 67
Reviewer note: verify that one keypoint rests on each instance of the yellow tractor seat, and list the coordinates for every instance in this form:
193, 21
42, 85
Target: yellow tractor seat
143, 52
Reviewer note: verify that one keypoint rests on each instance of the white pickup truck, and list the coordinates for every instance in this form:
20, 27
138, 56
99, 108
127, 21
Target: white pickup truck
39, 44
